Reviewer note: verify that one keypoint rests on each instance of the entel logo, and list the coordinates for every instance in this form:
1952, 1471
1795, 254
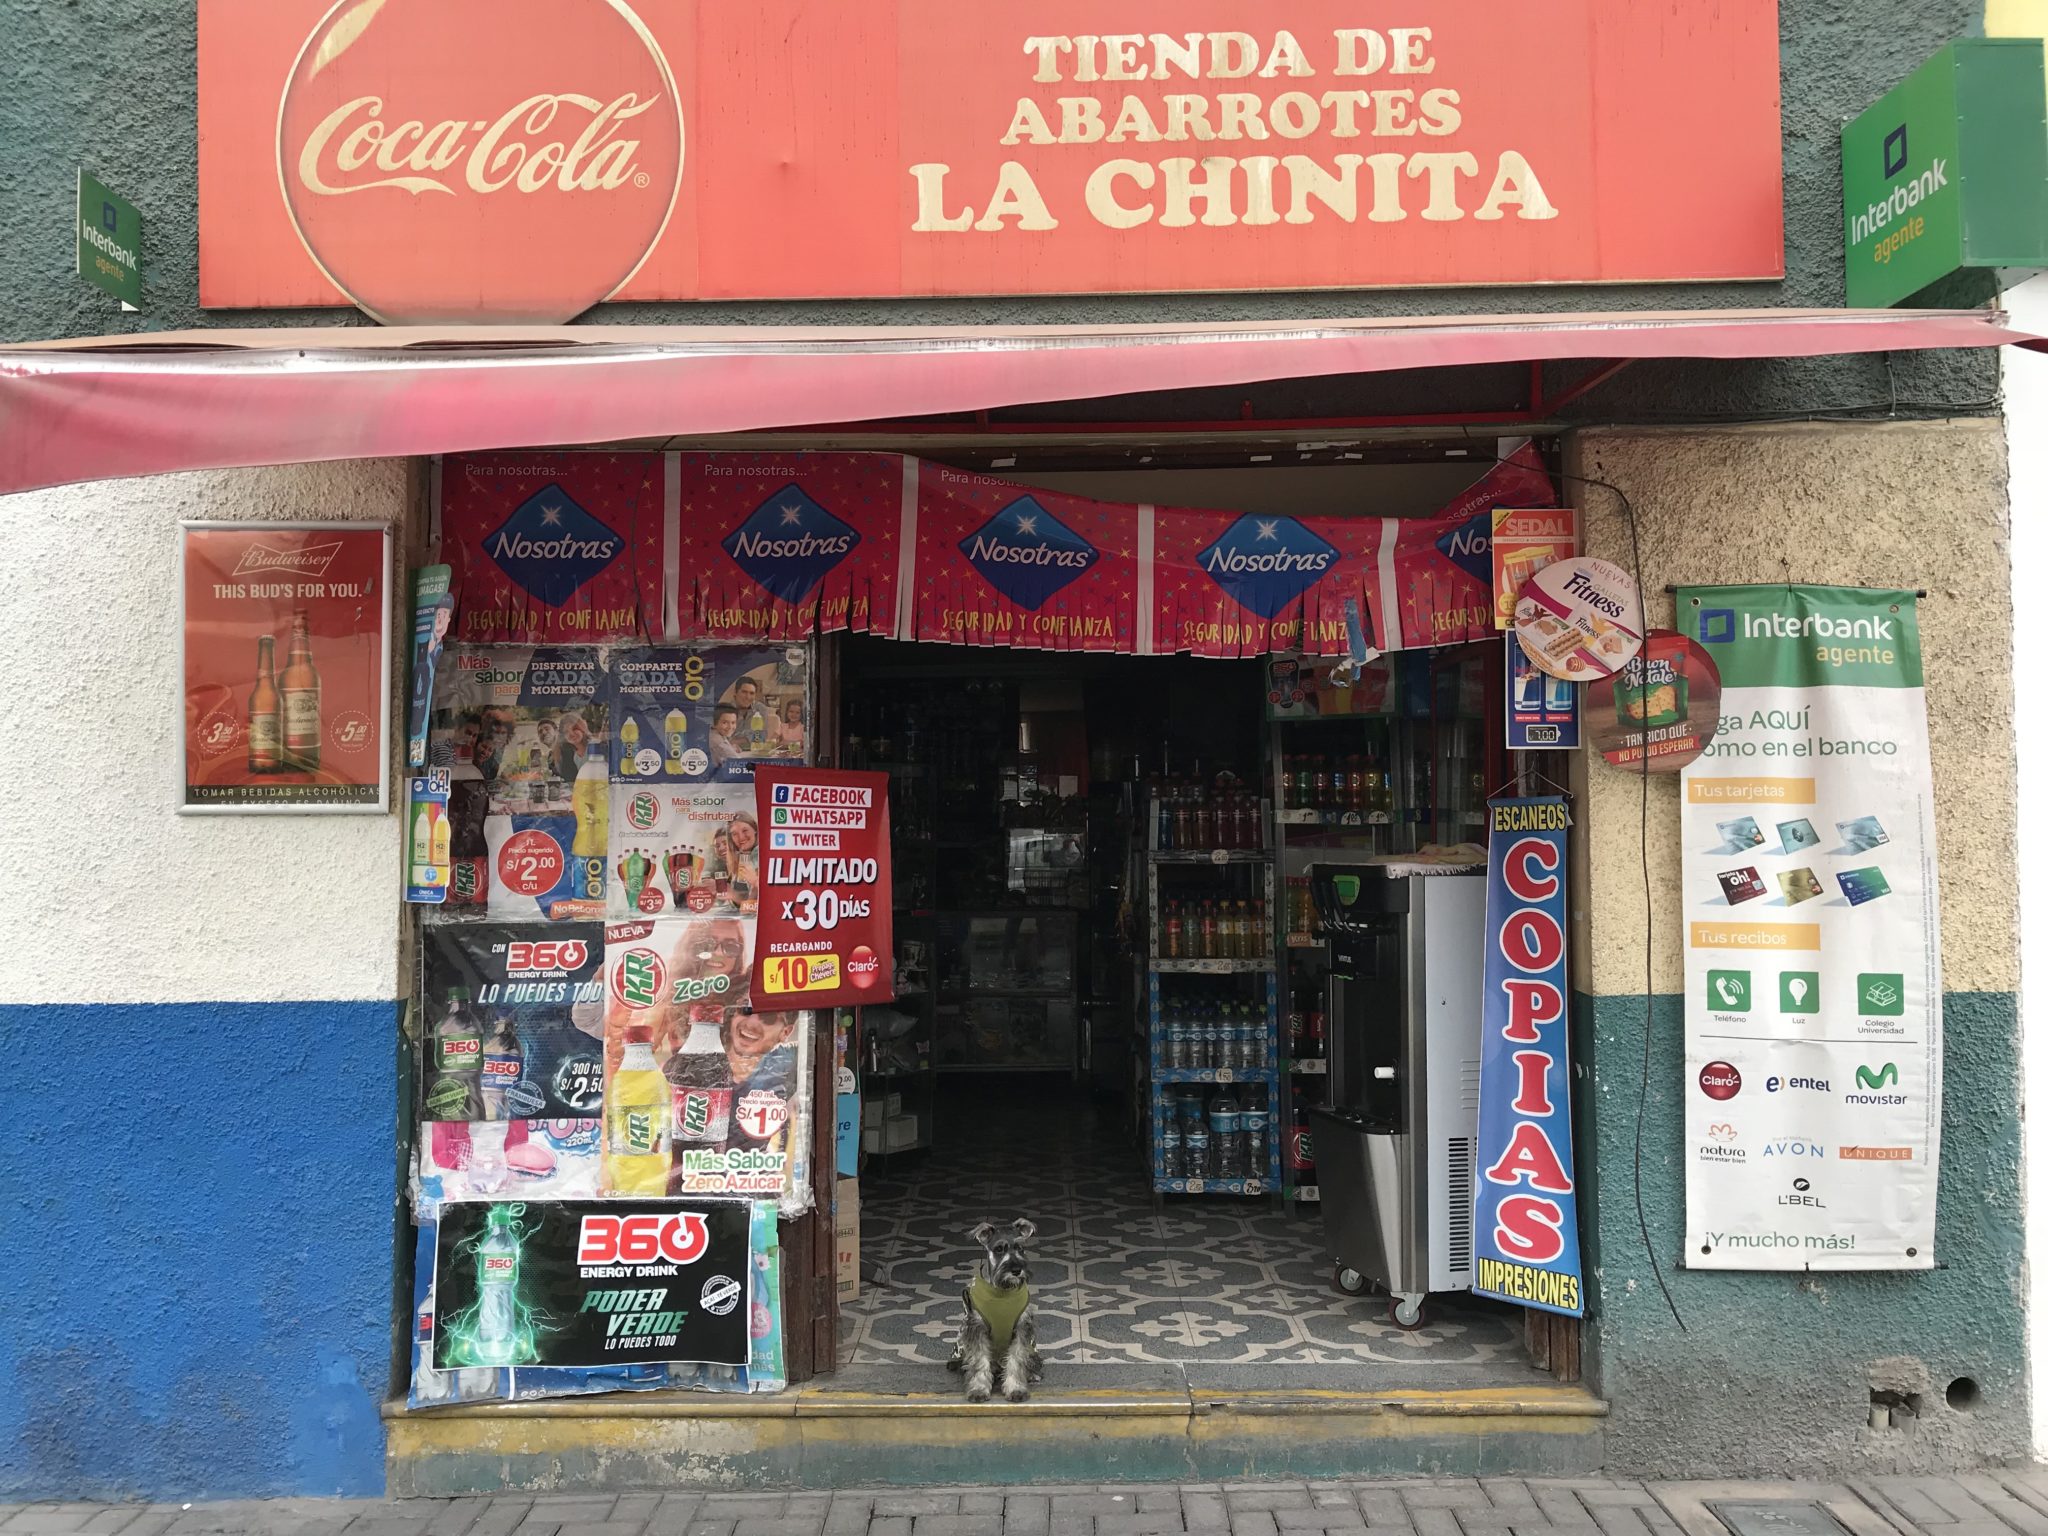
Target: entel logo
643, 1239
479, 160
1811, 1084
789, 544
1265, 563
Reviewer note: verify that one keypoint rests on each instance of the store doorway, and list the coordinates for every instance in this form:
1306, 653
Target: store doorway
1013, 1075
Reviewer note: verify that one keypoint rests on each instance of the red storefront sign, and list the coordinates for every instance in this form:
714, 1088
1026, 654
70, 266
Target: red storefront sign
553, 548
825, 932
286, 640
523, 159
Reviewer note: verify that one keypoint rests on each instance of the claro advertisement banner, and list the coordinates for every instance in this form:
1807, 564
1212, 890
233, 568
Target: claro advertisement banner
505, 160
826, 925
1813, 949
287, 628
590, 1282
1526, 1216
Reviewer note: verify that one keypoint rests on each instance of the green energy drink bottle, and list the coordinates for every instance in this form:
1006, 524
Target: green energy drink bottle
497, 1290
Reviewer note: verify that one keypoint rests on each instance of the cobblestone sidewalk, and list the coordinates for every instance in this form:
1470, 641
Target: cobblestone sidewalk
2000, 1503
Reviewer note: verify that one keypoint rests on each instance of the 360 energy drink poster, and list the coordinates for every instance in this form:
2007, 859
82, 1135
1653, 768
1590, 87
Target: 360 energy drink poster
514, 1021
287, 631
590, 1283
1813, 951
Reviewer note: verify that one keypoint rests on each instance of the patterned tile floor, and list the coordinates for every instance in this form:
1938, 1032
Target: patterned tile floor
1117, 1280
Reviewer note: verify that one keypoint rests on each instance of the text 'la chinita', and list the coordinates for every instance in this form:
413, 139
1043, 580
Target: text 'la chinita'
1402, 99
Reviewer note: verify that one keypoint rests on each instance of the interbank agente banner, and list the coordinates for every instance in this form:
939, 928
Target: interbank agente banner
1526, 1205
1813, 937
495, 160
780, 547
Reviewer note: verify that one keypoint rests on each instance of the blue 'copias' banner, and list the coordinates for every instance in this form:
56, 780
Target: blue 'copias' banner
1526, 1225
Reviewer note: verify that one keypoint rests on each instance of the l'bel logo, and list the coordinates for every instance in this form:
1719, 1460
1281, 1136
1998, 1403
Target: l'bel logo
1265, 563
789, 544
551, 548
1027, 554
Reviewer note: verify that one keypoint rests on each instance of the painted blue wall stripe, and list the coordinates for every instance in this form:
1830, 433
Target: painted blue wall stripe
197, 1264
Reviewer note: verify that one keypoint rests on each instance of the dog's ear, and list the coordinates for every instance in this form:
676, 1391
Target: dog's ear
983, 1233
1023, 1229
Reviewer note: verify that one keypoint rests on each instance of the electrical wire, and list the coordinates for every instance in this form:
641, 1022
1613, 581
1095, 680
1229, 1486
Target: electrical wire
1649, 906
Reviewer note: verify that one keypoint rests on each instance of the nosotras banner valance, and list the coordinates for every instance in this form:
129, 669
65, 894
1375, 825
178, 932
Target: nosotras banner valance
718, 547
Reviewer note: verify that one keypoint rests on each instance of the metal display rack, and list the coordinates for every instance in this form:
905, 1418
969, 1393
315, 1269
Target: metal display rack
1165, 1079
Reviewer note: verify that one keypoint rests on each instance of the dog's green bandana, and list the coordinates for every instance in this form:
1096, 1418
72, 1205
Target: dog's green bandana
1000, 1309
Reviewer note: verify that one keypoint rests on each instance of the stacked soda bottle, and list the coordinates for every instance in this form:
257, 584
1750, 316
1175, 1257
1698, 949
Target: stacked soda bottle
1213, 928
1336, 787
1194, 817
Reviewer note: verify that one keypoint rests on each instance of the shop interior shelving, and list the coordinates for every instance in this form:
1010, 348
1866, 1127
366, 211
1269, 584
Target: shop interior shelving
1196, 875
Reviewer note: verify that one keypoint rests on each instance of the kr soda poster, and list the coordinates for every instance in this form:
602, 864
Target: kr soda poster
826, 917
1812, 945
1526, 1218
286, 640
591, 1283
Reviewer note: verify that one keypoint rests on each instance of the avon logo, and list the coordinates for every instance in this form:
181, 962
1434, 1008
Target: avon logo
1469, 546
1027, 554
789, 544
551, 548
1265, 563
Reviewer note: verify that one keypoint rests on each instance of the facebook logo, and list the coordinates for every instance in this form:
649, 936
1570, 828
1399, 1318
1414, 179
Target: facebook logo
782, 794
1717, 625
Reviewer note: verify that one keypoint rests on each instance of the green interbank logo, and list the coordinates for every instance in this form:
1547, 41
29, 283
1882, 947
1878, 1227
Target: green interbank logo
1796, 636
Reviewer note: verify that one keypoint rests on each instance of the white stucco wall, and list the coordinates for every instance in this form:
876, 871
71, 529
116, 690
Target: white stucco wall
112, 896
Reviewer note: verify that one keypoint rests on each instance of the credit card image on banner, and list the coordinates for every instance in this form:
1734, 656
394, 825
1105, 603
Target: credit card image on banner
1861, 885
1740, 885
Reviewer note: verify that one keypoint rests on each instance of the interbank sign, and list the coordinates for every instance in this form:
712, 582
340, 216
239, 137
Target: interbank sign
1948, 170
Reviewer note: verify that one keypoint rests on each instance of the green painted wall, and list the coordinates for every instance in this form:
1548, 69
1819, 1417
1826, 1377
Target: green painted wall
111, 85
1772, 1372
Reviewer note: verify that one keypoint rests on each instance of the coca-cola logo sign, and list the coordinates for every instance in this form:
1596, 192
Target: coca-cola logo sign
480, 161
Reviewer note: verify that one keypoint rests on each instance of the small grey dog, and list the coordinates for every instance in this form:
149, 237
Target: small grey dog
997, 1335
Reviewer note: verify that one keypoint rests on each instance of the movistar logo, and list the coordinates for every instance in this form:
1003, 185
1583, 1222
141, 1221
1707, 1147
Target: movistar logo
1884, 1077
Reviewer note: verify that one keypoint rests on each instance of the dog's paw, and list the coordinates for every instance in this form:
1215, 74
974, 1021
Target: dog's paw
956, 1365
978, 1395
1017, 1394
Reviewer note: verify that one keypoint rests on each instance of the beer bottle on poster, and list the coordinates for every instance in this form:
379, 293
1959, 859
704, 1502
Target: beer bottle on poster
301, 686
265, 749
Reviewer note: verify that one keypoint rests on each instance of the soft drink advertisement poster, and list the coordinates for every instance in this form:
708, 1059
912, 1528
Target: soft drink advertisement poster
287, 627
515, 1021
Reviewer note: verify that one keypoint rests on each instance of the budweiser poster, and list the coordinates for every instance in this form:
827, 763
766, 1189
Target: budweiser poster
286, 640
521, 160
552, 548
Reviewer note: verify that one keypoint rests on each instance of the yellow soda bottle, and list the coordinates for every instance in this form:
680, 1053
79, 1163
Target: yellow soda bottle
591, 797
674, 728
636, 1120
629, 746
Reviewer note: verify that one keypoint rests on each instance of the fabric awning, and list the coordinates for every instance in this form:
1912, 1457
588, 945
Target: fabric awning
154, 403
